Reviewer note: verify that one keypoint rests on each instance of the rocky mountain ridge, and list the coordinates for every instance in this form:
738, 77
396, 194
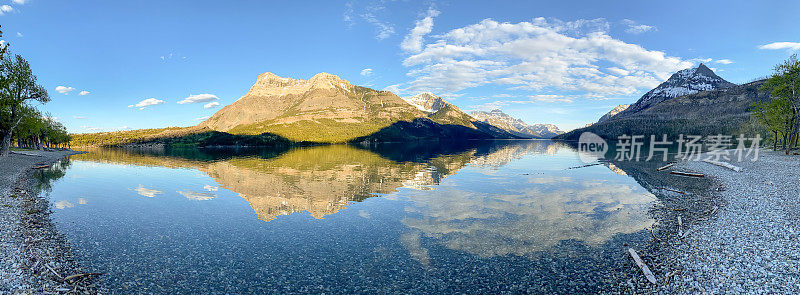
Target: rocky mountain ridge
613, 112
683, 82
516, 126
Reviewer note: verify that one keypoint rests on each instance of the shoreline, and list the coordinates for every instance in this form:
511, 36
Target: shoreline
718, 246
739, 235
751, 244
36, 258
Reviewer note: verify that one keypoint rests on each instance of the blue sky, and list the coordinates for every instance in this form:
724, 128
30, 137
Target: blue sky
561, 62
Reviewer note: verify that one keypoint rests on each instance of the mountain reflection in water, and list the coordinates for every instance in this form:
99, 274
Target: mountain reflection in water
431, 211
520, 214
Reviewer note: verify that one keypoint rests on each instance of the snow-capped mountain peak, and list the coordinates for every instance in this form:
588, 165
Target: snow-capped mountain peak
426, 102
517, 127
684, 82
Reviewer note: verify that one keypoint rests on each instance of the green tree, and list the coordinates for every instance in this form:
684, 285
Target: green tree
776, 114
17, 88
785, 84
29, 128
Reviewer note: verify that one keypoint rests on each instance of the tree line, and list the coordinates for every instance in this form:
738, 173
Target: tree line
781, 114
20, 121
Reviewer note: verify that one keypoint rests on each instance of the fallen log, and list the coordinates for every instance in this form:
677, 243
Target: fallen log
25, 154
673, 190
687, 174
75, 276
724, 164
40, 167
646, 270
665, 167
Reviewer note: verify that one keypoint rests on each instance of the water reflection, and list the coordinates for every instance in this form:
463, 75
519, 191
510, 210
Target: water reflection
493, 215
415, 205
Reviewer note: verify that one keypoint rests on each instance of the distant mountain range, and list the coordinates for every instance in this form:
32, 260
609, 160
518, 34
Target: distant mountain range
693, 101
516, 126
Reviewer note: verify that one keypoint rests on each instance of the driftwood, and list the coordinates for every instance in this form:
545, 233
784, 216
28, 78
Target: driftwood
724, 164
584, 166
25, 154
687, 174
75, 276
646, 270
54, 271
665, 167
40, 167
673, 190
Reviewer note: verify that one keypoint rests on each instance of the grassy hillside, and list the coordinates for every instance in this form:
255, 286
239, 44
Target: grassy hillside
175, 137
319, 130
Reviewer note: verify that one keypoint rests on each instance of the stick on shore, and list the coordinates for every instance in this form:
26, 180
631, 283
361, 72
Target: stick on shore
646, 270
681, 173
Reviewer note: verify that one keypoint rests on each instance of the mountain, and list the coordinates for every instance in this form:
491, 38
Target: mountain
328, 109
439, 110
709, 106
515, 126
616, 110
684, 82
324, 108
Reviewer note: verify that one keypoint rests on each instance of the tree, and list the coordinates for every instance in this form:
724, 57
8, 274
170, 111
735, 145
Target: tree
785, 84
776, 115
17, 87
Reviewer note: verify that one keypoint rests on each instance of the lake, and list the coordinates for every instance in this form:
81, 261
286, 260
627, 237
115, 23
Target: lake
489, 216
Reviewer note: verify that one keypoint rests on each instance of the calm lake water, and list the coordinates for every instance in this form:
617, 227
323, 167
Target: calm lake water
421, 218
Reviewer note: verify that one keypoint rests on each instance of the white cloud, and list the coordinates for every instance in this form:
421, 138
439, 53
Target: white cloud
84, 92
618, 71
366, 72
211, 188
635, 28
384, 29
150, 193
413, 41
539, 55
724, 61
146, 103
63, 204
64, 89
371, 12
710, 60
395, 88
781, 45
78, 117
20, 2
211, 105
19, 35
550, 98
5, 8
93, 129
202, 118
197, 196
198, 98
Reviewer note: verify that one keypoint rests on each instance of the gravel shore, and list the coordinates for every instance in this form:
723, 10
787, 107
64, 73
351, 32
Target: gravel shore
751, 245
35, 258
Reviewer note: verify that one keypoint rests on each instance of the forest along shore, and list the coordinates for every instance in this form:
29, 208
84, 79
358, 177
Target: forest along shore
35, 258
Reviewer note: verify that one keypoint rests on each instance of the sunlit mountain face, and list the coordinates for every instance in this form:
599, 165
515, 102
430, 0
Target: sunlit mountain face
425, 207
